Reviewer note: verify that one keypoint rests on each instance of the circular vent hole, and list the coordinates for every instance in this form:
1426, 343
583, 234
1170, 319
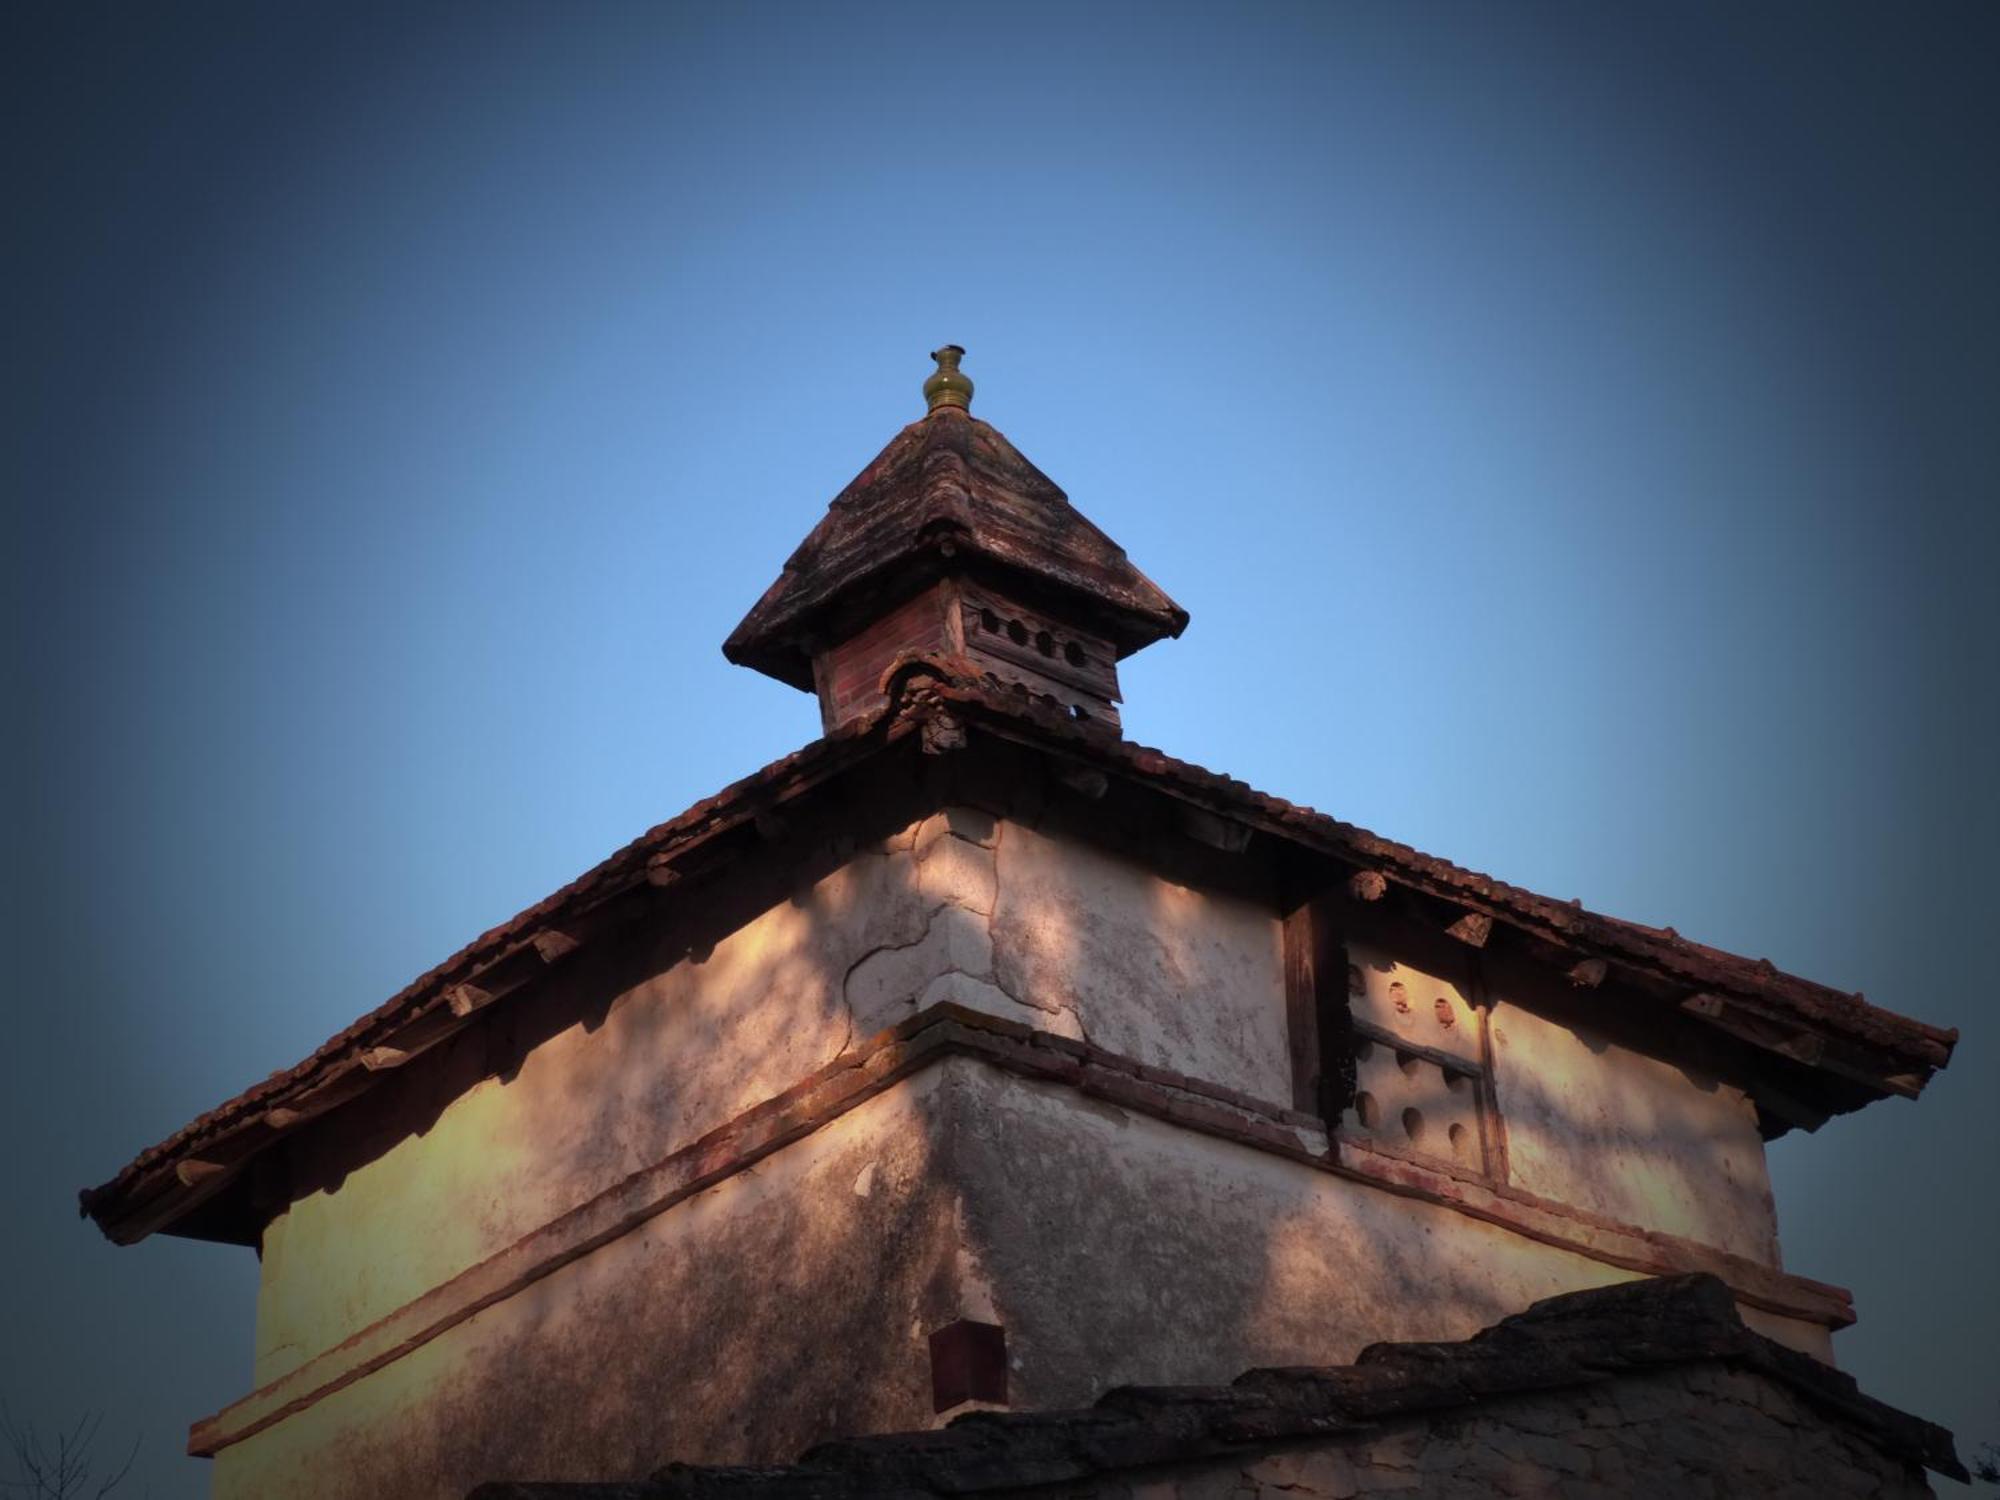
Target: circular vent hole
1017, 632
1461, 1140
1073, 653
1363, 1049
1369, 1112
1458, 1083
1410, 1063
1413, 1124
1445, 1014
989, 622
1399, 997
1045, 643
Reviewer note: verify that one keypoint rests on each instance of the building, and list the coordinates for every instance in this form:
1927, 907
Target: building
974, 1057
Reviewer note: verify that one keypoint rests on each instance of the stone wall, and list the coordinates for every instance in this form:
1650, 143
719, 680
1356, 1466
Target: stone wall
1696, 1431
1652, 1389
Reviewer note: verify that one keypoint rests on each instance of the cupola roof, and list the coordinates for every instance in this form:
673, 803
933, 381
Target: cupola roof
948, 494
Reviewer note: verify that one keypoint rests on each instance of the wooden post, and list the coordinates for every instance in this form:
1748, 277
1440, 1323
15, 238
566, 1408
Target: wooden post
1318, 1025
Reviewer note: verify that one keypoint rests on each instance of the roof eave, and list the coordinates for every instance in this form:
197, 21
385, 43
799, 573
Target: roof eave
167, 1185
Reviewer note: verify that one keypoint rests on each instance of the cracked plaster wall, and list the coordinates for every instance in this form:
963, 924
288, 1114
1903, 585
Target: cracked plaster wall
1070, 939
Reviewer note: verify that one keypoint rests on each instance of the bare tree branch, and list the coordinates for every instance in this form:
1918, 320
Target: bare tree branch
58, 1466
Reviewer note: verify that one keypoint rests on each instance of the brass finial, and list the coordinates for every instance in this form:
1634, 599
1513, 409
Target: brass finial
947, 385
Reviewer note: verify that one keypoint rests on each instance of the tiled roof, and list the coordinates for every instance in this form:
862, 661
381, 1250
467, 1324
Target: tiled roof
947, 486
166, 1180
1579, 1339
1902, 1044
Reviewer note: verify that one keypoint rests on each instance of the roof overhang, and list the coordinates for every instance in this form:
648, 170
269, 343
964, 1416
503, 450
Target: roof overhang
1804, 1051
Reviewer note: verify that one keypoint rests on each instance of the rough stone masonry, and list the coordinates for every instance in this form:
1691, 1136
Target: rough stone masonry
1649, 1389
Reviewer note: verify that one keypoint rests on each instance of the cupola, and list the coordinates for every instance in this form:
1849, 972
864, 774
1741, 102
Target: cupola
952, 543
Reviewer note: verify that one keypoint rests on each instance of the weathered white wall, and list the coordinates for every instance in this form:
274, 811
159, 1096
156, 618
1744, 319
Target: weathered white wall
958, 907
786, 1304
1123, 1249
1115, 1247
688, 1049
1643, 1141
793, 1301
1174, 977
1588, 1123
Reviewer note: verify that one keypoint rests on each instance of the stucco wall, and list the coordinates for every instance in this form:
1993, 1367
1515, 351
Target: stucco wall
700, 1040
957, 907
786, 1304
1112, 1247
1587, 1122
1611, 1130
1122, 1249
1172, 976
793, 1301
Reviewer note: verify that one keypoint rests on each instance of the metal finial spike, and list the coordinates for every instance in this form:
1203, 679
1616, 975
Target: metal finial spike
948, 386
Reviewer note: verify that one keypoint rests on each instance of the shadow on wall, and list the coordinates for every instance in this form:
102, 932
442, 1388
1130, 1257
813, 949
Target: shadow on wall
792, 1301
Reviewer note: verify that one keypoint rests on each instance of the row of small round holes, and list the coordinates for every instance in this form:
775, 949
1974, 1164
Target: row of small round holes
1018, 634
1399, 997
1369, 1108
1440, 1007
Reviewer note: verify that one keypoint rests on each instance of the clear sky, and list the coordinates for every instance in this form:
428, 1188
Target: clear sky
1572, 429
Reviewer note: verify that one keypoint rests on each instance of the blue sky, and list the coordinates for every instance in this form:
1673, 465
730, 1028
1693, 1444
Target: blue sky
1571, 429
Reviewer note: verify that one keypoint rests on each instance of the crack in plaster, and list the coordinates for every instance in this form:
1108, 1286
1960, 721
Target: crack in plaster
957, 874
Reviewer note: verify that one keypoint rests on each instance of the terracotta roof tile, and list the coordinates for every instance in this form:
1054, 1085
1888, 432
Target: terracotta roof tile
925, 686
947, 481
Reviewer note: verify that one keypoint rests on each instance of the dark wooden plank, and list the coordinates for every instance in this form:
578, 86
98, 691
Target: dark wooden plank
1302, 1009
1318, 1026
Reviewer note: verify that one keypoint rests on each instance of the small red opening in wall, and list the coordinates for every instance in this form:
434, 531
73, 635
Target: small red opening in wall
968, 1363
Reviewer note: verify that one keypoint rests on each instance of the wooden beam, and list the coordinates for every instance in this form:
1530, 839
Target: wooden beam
463, 999
1784, 1108
1367, 885
1800, 1044
1589, 974
552, 944
1204, 827
1085, 781
192, 1171
1472, 929
1318, 1026
1450, 1062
